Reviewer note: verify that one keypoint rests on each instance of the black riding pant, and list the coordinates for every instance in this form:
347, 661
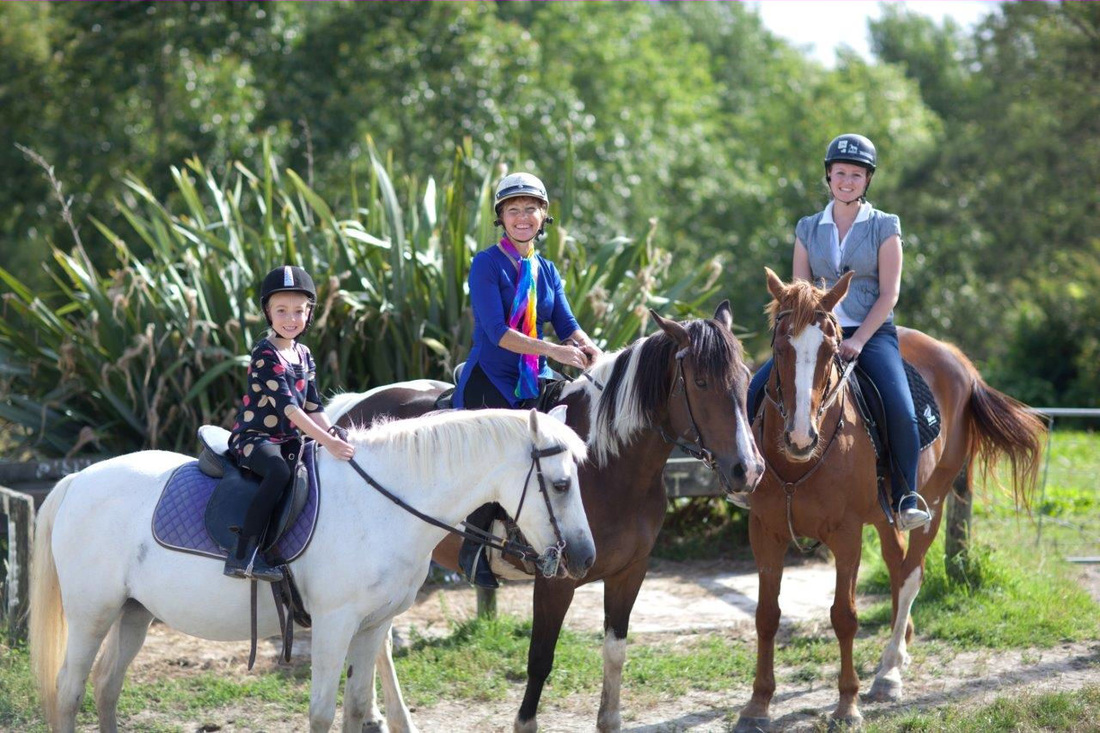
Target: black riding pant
267, 461
480, 393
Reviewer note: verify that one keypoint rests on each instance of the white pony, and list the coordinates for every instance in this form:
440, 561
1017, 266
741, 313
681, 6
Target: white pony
98, 572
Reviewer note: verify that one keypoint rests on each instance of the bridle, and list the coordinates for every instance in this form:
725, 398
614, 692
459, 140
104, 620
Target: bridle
696, 448
547, 563
833, 390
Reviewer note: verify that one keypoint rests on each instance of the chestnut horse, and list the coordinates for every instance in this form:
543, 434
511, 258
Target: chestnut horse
686, 384
820, 479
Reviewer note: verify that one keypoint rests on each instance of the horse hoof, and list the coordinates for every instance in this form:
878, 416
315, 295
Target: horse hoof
884, 689
753, 725
525, 726
848, 722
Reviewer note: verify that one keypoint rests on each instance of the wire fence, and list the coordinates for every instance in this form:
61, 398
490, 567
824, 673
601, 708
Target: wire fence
1065, 514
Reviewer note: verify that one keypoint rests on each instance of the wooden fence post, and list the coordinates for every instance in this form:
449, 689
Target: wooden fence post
957, 543
19, 510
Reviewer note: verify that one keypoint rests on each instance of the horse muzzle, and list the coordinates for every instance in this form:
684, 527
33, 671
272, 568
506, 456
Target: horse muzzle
573, 560
740, 476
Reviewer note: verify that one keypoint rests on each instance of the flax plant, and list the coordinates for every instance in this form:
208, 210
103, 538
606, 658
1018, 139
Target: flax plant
140, 354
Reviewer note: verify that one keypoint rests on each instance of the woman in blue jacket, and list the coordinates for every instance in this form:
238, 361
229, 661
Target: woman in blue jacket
514, 293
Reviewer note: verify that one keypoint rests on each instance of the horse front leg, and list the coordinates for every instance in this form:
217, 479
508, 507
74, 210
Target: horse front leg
768, 549
397, 712
361, 713
552, 599
845, 620
620, 592
332, 635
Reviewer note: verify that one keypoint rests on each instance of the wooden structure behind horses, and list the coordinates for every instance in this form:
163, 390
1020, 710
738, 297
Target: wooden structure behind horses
685, 384
825, 489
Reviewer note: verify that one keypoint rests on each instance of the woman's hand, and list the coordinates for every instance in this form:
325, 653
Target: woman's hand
339, 448
850, 349
569, 355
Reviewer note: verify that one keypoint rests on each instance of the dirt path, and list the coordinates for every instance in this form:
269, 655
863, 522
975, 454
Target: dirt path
676, 601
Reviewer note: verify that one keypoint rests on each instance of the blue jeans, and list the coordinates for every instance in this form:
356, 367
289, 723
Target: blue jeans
881, 359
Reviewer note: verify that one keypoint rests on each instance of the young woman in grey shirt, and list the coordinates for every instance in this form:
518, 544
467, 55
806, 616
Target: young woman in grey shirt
851, 235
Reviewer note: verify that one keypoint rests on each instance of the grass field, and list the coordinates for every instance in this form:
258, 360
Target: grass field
1021, 594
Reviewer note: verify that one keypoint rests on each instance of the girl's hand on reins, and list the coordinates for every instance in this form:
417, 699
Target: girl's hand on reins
339, 448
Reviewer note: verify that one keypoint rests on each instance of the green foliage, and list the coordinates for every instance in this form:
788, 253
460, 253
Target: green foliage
142, 354
1005, 602
1053, 711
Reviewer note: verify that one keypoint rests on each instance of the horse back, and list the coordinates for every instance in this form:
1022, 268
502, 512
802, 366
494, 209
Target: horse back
398, 402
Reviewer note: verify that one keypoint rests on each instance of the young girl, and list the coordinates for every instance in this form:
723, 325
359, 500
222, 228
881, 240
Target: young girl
850, 234
280, 404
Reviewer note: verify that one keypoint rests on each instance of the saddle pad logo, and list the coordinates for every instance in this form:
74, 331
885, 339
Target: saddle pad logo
929, 416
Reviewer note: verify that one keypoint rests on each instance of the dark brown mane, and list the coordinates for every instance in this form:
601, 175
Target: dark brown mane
802, 299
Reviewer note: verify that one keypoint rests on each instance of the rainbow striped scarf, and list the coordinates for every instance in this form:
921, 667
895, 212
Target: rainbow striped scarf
523, 317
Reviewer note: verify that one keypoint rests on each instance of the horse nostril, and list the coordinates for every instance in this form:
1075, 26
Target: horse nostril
739, 471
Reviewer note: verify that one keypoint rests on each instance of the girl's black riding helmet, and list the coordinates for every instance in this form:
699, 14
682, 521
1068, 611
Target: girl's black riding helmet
288, 279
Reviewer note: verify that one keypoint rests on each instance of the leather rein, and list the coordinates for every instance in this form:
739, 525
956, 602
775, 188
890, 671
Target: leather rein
547, 563
833, 391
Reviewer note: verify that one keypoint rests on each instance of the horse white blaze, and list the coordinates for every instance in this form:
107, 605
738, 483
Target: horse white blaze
806, 345
746, 446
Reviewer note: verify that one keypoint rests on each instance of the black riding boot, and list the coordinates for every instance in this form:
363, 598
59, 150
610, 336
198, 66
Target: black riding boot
472, 560
246, 561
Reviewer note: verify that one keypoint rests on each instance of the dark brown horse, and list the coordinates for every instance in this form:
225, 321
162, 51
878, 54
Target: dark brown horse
820, 480
685, 384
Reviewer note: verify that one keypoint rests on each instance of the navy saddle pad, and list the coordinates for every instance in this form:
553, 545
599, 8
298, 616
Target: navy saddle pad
179, 518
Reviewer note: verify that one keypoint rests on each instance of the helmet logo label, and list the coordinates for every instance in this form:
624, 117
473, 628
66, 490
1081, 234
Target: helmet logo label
288, 277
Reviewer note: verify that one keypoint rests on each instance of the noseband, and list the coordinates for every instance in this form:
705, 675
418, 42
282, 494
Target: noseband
696, 448
547, 563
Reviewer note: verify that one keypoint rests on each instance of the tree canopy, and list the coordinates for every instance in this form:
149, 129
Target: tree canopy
692, 114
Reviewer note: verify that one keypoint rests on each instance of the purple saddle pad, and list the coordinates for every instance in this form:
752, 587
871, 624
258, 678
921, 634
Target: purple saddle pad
178, 520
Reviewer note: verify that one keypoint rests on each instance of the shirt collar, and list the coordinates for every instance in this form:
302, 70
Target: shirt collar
863, 215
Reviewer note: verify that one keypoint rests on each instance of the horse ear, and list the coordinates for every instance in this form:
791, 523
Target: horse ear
678, 333
558, 413
724, 314
838, 292
533, 421
775, 285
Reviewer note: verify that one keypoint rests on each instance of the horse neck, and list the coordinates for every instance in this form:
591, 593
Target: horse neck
445, 490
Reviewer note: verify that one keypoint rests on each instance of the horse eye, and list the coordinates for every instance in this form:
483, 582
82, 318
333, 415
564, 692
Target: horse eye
561, 485
701, 383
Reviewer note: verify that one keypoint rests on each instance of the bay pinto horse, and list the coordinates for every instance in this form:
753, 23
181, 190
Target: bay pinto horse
820, 479
684, 384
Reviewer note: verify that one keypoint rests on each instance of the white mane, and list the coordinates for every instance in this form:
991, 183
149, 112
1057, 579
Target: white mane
607, 437
461, 436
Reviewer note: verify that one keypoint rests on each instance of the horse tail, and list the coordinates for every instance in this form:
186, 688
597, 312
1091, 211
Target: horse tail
47, 629
1001, 426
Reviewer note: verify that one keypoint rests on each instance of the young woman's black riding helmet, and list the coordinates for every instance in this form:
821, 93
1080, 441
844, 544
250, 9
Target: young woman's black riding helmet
288, 279
851, 148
